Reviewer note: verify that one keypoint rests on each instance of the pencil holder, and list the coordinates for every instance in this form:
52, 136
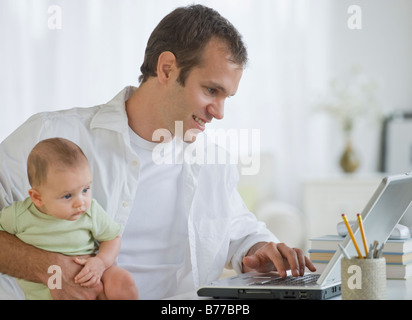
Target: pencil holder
363, 279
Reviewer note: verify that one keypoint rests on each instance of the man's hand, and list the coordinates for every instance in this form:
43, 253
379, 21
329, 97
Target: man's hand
71, 290
265, 257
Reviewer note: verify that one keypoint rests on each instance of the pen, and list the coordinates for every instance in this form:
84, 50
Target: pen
365, 244
352, 236
370, 255
374, 248
379, 252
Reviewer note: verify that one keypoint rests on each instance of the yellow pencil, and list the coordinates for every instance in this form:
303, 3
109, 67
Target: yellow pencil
351, 235
362, 230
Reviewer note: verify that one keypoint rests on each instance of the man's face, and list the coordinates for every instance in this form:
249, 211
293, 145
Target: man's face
206, 88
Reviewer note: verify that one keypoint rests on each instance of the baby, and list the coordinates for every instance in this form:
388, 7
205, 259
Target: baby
60, 216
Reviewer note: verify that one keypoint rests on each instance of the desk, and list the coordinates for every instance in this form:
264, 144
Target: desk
395, 290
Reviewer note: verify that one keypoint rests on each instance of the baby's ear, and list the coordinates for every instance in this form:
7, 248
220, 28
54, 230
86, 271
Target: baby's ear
36, 197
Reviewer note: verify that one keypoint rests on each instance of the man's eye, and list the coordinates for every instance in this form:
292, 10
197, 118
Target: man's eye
211, 90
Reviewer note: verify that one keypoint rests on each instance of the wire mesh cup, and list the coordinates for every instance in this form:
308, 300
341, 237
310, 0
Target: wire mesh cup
363, 279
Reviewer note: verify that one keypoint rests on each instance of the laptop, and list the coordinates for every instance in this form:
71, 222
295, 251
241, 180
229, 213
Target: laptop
381, 214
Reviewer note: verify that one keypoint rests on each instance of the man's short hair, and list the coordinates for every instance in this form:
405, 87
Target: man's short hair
185, 32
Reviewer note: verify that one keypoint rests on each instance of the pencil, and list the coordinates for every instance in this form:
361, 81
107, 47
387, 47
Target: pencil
351, 235
362, 230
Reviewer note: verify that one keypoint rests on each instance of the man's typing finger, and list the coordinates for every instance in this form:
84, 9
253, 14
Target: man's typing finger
272, 254
290, 259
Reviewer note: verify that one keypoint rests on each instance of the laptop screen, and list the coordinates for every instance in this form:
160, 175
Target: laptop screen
384, 210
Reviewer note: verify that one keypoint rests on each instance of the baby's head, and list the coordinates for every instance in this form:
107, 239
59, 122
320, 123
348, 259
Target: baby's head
60, 178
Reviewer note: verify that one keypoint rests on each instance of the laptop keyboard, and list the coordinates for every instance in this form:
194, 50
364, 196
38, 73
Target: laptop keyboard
289, 280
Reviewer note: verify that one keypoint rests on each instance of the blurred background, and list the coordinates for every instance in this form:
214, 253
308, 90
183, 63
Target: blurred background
322, 75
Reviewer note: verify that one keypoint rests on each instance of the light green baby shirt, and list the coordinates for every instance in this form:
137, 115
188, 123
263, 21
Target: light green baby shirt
76, 237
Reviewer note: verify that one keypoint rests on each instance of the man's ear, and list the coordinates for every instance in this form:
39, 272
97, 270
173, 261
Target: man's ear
166, 64
36, 197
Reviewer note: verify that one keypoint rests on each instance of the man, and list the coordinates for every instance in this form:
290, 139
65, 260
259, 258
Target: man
183, 222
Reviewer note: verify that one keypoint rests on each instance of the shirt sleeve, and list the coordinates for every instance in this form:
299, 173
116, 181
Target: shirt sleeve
7, 219
246, 230
104, 228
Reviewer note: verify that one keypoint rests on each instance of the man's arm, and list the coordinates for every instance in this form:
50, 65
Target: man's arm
25, 261
21, 260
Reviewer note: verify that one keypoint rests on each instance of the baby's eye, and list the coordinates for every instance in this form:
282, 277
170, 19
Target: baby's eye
67, 196
86, 189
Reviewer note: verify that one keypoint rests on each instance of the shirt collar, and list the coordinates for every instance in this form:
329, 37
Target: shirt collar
112, 115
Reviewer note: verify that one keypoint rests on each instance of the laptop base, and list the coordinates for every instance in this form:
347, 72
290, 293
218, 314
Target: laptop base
318, 294
260, 286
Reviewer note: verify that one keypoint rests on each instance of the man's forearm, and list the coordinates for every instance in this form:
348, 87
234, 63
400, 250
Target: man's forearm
22, 260
25, 261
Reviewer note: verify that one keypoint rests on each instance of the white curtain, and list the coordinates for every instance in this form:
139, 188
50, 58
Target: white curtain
97, 46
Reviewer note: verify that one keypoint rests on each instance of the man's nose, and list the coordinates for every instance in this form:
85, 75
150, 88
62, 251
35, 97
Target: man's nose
217, 109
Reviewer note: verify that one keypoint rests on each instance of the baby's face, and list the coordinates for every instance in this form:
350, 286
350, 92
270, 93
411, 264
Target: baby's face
67, 192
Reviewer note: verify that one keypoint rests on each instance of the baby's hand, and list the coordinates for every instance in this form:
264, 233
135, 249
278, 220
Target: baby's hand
91, 273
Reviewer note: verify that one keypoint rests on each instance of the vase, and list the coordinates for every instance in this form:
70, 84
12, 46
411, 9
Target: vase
349, 160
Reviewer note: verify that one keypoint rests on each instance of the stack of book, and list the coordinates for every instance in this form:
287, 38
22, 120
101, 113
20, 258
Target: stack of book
398, 255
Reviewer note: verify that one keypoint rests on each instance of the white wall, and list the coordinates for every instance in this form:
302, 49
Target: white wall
383, 47
295, 47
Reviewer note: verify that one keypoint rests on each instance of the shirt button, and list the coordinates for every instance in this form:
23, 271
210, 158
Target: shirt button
135, 163
125, 204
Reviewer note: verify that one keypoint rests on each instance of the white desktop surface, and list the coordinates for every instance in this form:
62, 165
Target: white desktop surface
395, 290
399, 289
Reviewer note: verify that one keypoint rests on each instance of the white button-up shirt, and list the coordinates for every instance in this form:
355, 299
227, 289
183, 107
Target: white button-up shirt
220, 228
